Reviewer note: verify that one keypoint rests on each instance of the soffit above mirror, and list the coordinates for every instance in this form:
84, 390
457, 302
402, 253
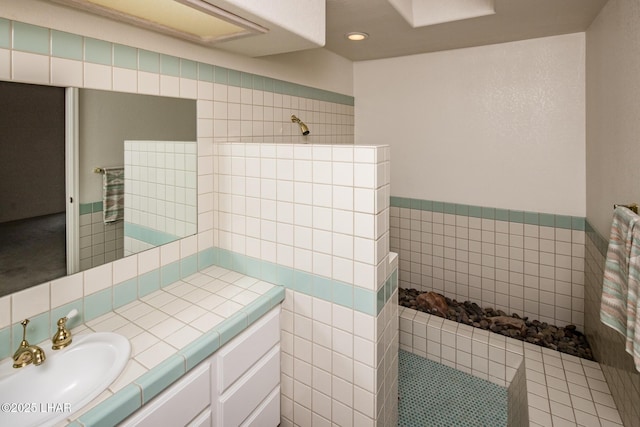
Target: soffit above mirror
249, 28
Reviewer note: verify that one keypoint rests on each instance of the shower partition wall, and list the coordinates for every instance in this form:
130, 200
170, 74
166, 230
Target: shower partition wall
519, 262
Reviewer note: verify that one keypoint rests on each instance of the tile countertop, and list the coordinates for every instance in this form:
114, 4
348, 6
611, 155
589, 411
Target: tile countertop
172, 330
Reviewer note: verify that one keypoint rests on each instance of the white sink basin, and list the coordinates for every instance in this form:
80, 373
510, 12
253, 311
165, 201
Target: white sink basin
66, 381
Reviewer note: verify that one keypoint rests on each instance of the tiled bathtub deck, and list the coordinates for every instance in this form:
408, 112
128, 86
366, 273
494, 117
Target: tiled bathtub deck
548, 388
171, 330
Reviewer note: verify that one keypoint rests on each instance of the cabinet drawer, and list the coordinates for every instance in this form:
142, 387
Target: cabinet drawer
235, 358
268, 413
203, 420
245, 396
177, 405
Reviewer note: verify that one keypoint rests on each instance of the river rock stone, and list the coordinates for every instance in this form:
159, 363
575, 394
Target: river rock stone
511, 322
433, 301
564, 339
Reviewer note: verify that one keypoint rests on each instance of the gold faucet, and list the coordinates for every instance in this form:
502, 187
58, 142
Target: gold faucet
27, 354
62, 337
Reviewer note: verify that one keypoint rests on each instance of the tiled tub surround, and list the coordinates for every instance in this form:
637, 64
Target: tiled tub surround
520, 262
171, 330
319, 212
545, 387
608, 345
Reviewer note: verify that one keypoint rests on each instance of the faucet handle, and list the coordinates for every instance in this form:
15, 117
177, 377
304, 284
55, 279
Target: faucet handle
62, 337
24, 324
22, 356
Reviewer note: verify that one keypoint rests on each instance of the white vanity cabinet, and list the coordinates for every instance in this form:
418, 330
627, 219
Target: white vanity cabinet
245, 376
239, 385
179, 404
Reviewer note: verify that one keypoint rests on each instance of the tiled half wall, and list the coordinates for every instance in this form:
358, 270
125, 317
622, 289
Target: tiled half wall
520, 262
545, 387
316, 217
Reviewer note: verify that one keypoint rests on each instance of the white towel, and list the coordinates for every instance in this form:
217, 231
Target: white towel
621, 285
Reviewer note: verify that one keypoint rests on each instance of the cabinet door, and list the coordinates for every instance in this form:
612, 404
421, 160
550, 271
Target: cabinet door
267, 414
241, 353
178, 404
202, 420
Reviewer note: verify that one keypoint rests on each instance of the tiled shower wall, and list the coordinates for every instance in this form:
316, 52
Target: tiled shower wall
608, 345
316, 218
520, 262
99, 242
160, 193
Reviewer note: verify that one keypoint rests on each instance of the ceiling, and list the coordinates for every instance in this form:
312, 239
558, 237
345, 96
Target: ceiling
391, 35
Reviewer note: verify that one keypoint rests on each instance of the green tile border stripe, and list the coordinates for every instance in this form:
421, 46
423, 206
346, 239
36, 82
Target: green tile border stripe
148, 235
600, 242
91, 207
169, 65
521, 217
157, 379
126, 401
154, 381
96, 304
347, 295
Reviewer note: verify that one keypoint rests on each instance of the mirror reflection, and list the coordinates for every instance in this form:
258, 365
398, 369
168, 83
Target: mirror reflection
159, 171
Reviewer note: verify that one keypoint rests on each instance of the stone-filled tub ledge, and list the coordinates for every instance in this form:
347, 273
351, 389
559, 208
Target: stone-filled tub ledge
544, 387
172, 330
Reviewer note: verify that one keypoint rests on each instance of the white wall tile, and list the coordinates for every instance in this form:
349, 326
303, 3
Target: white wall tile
30, 302
125, 80
97, 279
125, 269
97, 76
148, 83
29, 67
343, 198
5, 311
66, 72
169, 85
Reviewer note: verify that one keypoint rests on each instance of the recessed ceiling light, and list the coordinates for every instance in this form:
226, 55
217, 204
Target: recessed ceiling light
356, 36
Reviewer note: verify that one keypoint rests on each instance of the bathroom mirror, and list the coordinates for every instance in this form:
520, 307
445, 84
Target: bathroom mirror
33, 177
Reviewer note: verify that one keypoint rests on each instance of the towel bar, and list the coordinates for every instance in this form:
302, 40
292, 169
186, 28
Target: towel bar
633, 207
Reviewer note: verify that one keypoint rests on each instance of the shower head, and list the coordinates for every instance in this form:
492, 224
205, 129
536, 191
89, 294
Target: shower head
303, 128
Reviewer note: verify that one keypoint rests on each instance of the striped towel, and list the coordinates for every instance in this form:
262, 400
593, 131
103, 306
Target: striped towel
113, 194
619, 307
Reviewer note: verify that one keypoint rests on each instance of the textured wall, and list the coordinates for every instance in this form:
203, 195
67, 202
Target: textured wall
499, 125
613, 90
